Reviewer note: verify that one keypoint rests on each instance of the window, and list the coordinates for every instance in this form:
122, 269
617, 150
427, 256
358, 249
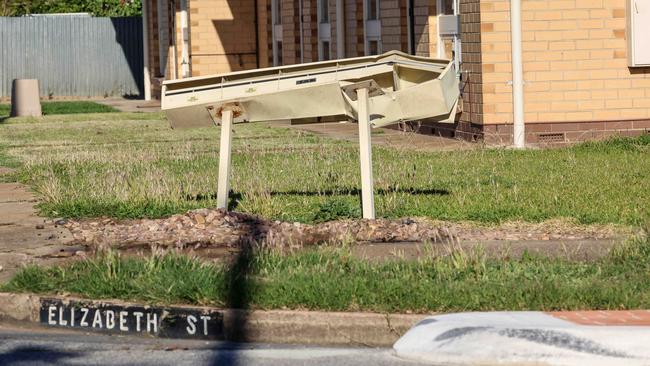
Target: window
325, 50
276, 17
373, 47
278, 55
324, 30
372, 7
372, 27
323, 11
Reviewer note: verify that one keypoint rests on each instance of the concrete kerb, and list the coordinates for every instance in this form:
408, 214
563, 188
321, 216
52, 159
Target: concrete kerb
264, 326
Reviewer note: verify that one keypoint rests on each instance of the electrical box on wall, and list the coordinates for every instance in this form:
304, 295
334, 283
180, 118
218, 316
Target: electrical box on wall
449, 25
638, 29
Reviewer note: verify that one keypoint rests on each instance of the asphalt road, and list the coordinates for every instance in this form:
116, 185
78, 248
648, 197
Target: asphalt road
38, 346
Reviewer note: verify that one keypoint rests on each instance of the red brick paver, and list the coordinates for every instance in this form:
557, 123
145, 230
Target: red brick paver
607, 317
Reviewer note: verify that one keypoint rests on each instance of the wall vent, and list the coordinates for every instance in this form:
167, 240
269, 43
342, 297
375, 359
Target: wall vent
550, 138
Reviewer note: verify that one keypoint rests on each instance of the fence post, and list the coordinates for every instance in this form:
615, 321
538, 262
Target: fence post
225, 149
365, 155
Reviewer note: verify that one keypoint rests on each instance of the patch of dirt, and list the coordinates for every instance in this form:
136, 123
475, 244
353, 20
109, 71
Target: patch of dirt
210, 229
580, 250
557, 229
5, 171
218, 228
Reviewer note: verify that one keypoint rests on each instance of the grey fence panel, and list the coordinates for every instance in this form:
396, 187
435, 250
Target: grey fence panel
73, 56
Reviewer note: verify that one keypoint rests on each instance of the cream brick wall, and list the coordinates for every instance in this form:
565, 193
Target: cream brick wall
575, 65
351, 29
391, 30
421, 26
222, 36
223, 33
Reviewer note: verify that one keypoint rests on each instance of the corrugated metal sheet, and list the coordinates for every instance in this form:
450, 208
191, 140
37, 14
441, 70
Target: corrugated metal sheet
73, 56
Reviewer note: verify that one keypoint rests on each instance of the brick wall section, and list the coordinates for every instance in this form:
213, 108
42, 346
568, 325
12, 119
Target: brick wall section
264, 33
358, 16
333, 25
391, 25
575, 69
291, 32
311, 31
433, 28
351, 29
172, 25
403, 21
222, 36
421, 27
471, 71
154, 56
152, 52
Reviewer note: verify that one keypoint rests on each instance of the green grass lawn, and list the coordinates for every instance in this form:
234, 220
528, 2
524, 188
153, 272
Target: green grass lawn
64, 107
331, 279
133, 165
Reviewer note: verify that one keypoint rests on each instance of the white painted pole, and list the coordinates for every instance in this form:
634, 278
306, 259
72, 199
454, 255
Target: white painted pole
340, 29
225, 149
457, 50
365, 155
519, 134
185, 33
145, 49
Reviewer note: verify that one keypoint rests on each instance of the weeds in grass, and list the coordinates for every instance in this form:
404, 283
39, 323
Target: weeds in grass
132, 165
332, 279
336, 209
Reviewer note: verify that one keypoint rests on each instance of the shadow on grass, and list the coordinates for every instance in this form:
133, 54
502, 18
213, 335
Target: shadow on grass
236, 197
233, 198
357, 191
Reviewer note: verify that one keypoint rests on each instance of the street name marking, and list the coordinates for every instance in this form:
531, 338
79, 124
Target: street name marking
170, 322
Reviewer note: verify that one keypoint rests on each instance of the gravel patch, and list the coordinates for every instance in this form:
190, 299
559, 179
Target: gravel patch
209, 228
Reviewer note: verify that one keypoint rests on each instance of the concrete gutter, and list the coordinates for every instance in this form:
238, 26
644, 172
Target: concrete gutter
592, 338
264, 326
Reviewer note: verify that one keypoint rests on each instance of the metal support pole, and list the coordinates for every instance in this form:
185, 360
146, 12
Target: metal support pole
519, 133
365, 152
145, 50
185, 33
225, 149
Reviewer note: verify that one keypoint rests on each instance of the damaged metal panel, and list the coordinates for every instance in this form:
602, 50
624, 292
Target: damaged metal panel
402, 88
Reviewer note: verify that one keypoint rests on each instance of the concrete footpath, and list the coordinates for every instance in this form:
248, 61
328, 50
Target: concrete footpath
579, 338
26, 238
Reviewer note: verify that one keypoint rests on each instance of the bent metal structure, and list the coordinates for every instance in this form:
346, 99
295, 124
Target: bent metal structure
375, 91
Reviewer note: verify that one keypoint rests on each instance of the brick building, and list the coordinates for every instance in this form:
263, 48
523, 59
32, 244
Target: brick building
585, 62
